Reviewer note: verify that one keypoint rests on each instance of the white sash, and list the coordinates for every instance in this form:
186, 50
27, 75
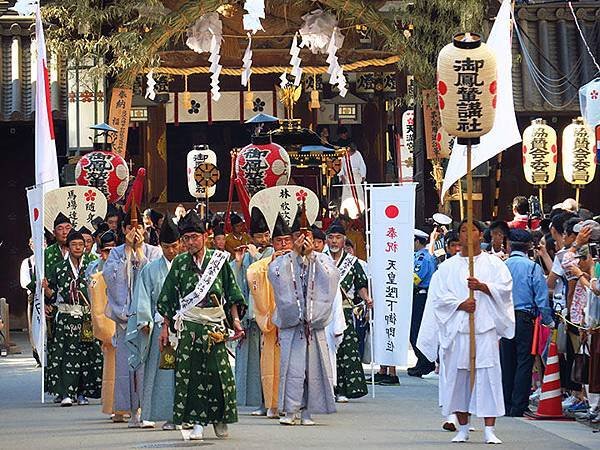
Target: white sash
204, 283
345, 266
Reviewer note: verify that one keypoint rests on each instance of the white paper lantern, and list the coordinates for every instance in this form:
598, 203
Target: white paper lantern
194, 159
539, 153
578, 153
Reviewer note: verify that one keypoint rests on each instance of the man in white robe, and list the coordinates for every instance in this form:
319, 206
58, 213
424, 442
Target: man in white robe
494, 319
353, 174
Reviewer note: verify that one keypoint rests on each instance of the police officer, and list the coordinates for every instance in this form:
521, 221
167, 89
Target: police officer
530, 299
425, 265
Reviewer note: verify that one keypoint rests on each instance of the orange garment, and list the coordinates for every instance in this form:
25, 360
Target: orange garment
104, 329
360, 246
264, 306
232, 242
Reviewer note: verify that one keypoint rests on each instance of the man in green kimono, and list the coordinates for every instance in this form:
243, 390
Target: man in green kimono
351, 381
75, 370
198, 298
144, 329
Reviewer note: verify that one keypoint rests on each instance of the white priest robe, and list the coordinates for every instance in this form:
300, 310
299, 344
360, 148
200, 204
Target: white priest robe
494, 319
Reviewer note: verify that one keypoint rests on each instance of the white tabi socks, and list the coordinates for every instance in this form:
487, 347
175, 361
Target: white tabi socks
463, 434
490, 436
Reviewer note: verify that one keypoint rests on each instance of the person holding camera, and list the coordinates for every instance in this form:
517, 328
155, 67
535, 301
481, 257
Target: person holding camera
530, 298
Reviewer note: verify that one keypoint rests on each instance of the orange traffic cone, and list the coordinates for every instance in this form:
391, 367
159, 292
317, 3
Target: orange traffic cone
550, 406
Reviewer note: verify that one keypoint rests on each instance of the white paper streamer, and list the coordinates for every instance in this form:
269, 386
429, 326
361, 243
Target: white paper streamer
247, 62
24, 7
284, 80
335, 71
150, 84
318, 30
206, 36
295, 61
255, 11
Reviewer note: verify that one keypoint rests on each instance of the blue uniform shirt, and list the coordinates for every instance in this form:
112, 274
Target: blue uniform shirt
425, 265
530, 292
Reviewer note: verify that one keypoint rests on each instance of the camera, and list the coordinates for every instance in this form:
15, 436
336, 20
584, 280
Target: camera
594, 250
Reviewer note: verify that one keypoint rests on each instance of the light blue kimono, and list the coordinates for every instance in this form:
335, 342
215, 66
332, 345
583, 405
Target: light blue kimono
120, 279
159, 385
247, 352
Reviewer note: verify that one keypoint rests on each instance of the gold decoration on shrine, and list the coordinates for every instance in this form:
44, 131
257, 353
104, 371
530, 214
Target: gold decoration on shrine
289, 95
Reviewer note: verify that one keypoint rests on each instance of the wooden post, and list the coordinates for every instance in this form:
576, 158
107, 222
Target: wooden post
541, 196
460, 199
471, 264
577, 189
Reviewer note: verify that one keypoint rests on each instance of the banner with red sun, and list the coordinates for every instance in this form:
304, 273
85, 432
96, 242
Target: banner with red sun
392, 223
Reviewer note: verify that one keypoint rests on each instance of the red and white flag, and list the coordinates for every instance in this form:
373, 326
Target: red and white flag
46, 165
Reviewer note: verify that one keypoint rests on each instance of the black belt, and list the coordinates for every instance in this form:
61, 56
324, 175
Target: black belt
524, 312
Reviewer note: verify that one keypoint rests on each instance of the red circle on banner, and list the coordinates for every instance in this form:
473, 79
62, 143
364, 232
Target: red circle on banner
392, 211
36, 214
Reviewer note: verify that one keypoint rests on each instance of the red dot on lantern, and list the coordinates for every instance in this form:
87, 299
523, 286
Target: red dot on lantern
438, 137
493, 87
442, 88
524, 149
555, 158
441, 103
36, 214
553, 149
392, 211
524, 160
494, 102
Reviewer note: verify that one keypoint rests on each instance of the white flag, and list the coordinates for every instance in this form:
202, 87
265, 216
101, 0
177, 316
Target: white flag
46, 166
35, 197
505, 132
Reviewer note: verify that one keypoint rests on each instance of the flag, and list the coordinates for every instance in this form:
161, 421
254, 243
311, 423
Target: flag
505, 132
35, 196
46, 165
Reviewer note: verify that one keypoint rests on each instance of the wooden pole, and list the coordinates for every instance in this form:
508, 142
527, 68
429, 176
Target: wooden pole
541, 196
460, 199
577, 196
471, 263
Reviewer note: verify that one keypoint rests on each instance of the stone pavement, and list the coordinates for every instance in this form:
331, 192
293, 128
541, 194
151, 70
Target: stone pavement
405, 416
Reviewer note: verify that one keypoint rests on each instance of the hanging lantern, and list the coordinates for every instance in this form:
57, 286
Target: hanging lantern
578, 153
467, 87
262, 164
106, 171
200, 155
249, 100
539, 153
443, 144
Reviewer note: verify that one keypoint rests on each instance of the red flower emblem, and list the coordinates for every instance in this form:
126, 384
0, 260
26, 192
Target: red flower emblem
594, 94
89, 196
301, 195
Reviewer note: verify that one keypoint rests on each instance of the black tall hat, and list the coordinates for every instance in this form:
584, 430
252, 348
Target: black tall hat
235, 218
191, 223
60, 219
218, 230
112, 211
101, 228
281, 228
106, 238
296, 223
84, 230
258, 223
155, 216
74, 235
318, 233
169, 233
96, 222
336, 227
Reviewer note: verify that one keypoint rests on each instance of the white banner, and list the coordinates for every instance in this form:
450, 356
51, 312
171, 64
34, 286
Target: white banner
35, 197
391, 222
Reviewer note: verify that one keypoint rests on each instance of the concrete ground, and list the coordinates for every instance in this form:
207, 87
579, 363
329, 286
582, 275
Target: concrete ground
405, 416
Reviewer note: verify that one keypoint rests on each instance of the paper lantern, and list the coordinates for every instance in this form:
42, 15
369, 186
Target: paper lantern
262, 164
443, 143
539, 153
200, 155
106, 171
578, 153
467, 87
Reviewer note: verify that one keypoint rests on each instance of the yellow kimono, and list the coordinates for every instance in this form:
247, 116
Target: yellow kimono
104, 329
264, 307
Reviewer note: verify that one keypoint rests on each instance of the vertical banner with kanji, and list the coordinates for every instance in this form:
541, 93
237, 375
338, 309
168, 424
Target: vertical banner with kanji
392, 222
118, 118
432, 122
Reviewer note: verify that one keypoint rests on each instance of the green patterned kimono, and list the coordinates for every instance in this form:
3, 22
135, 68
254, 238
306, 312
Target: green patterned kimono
204, 383
350, 374
75, 366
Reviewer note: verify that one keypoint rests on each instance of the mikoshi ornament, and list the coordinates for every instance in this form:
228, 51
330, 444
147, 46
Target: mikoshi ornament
540, 155
578, 154
81, 204
195, 158
262, 164
467, 90
105, 171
